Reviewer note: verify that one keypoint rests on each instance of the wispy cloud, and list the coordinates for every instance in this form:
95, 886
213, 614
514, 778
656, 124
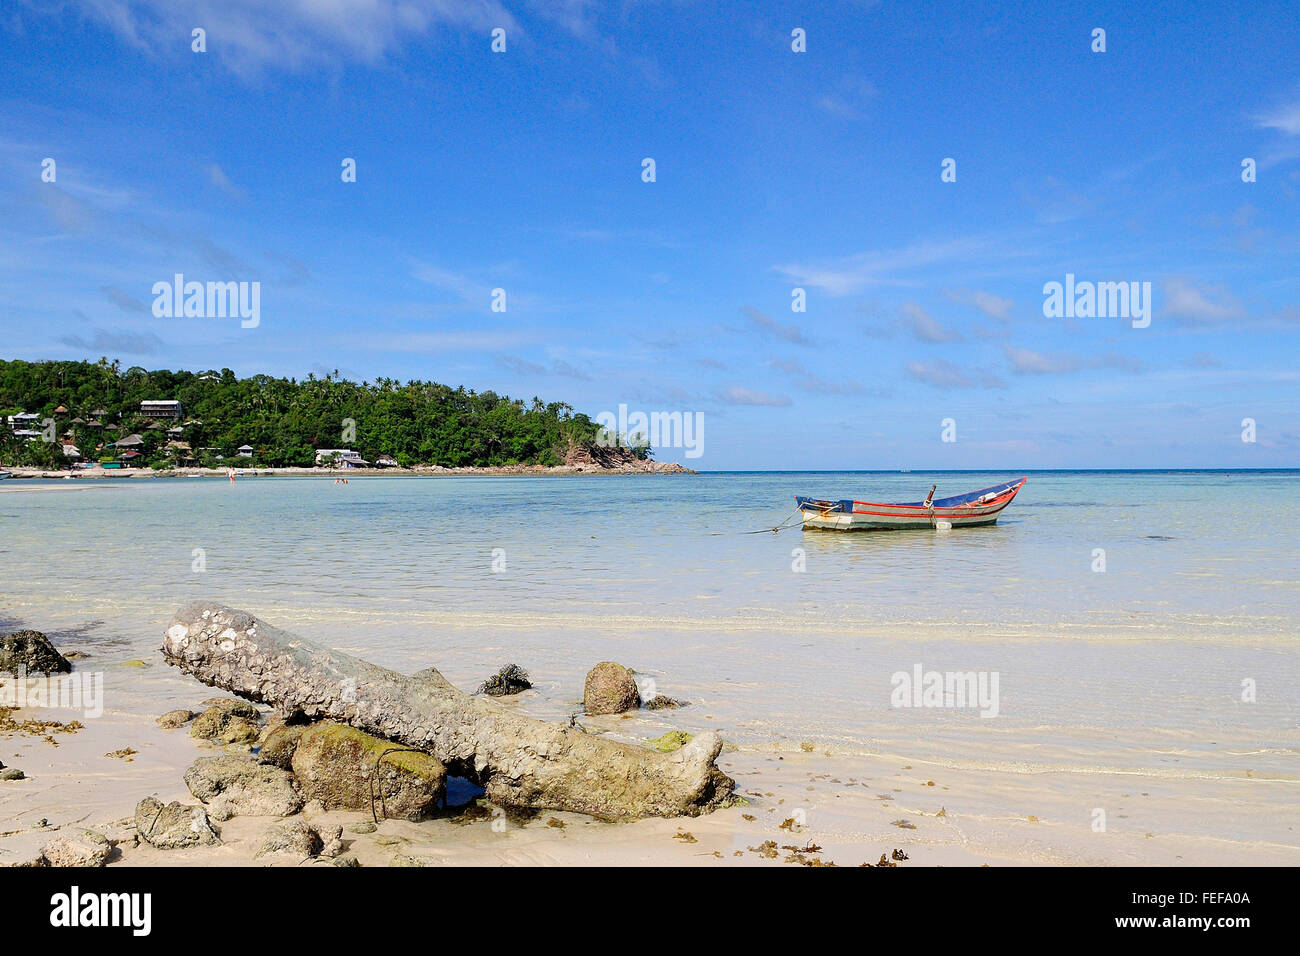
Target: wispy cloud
217, 176
1282, 116
943, 374
123, 300
925, 326
993, 306
251, 36
789, 333
1027, 362
1195, 304
850, 99
120, 342
740, 395
852, 274
810, 381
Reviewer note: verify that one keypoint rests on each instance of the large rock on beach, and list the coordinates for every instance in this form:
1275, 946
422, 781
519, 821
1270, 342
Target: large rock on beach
78, 848
334, 763
32, 651
240, 787
610, 689
279, 741
173, 826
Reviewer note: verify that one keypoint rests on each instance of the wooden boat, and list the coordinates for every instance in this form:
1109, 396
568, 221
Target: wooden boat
960, 511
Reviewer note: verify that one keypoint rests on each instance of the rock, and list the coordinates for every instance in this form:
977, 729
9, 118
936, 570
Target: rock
12, 773
135, 662
332, 840
610, 689
366, 827
660, 702
32, 651
173, 826
346, 861
279, 741
237, 786
235, 706
293, 837
511, 679
239, 731
78, 848
75, 656
175, 718
226, 723
334, 763
673, 740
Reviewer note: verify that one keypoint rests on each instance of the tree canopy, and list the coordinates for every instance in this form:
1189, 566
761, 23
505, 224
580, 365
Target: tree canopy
284, 420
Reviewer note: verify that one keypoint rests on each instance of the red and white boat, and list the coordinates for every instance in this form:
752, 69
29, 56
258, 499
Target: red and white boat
960, 511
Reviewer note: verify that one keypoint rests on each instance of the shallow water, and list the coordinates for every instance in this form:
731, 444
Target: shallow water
1138, 669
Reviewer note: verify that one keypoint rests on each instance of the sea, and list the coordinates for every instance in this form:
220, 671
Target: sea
1143, 623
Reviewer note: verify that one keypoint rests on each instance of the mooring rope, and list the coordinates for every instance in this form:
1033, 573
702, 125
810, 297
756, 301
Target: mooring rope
375, 773
784, 525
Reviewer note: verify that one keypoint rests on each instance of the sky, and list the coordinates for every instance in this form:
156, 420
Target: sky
774, 170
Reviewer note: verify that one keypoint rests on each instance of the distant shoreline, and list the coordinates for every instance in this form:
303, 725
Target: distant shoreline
420, 471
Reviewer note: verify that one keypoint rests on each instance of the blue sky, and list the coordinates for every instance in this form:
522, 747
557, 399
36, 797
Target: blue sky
775, 170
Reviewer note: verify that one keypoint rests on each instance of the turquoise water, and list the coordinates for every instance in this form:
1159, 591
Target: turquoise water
1140, 666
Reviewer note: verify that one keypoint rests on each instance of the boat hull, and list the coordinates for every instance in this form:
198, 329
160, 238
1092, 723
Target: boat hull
972, 510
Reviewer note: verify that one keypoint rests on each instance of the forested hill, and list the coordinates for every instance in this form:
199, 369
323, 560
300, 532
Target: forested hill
284, 420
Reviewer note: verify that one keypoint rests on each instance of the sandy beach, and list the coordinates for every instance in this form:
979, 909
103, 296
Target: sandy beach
854, 807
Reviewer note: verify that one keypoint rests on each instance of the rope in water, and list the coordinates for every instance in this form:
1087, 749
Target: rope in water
785, 524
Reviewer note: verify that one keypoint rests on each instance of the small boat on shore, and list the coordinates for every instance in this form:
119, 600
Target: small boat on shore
960, 511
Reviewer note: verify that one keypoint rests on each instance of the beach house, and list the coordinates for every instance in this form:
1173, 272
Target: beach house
162, 408
346, 457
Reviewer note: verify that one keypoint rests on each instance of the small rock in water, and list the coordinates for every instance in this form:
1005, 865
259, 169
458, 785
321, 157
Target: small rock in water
610, 689
661, 701
134, 663
366, 827
12, 773
215, 722
175, 718
32, 651
510, 680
